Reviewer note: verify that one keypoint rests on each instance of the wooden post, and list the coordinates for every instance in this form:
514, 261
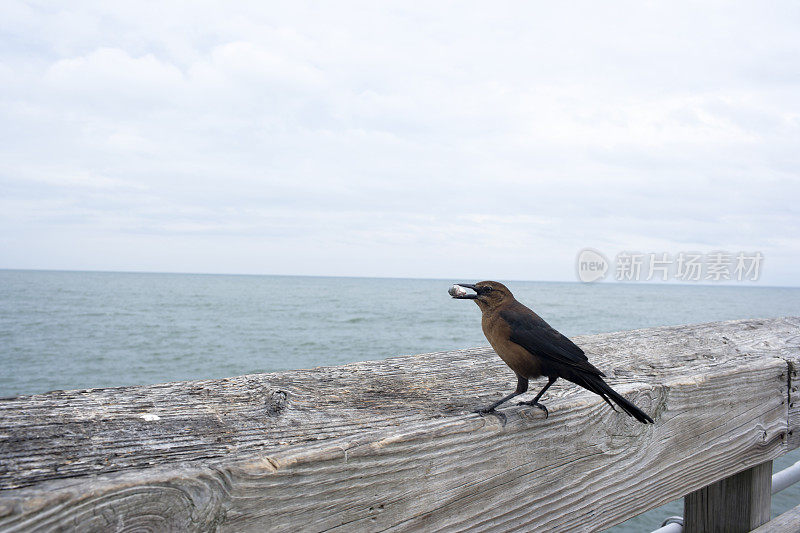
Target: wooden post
737, 503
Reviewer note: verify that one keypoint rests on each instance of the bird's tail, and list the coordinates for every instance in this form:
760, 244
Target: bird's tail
600, 387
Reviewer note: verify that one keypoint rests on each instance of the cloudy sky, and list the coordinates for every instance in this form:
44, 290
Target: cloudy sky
448, 139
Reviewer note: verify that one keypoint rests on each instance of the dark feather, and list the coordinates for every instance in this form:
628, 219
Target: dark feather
598, 386
531, 332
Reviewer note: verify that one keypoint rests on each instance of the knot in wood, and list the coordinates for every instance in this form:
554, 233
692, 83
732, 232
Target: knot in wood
277, 402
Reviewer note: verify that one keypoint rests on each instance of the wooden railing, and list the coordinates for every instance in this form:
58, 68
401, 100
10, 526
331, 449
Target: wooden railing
394, 444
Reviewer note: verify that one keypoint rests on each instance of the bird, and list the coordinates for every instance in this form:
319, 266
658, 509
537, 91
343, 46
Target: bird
532, 348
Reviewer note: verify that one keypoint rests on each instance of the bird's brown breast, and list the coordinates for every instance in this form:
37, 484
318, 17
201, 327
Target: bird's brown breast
498, 332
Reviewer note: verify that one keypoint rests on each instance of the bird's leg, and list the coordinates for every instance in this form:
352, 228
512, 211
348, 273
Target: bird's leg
522, 387
535, 401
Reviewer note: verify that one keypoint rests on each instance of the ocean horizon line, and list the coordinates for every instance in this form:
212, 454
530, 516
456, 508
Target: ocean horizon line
613, 282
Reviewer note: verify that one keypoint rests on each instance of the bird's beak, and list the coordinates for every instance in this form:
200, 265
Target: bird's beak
468, 296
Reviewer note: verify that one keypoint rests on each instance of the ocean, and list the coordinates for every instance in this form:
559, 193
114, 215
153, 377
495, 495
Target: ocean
72, 330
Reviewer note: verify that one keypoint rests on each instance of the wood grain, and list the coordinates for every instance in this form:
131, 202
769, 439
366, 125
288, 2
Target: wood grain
393, 445
789, 349
788, 522
736, 504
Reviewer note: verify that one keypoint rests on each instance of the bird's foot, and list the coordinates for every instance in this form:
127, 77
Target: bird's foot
491, 411
537, 404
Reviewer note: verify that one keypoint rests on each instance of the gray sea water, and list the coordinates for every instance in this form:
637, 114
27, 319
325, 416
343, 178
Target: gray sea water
68, 330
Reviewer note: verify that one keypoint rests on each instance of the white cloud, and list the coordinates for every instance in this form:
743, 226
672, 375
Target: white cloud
253, 64
525, 131
111, 71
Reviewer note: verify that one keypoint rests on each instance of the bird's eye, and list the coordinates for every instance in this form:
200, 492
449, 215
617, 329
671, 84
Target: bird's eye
487, 289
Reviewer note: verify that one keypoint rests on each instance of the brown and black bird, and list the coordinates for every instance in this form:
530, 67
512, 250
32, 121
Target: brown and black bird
532, 348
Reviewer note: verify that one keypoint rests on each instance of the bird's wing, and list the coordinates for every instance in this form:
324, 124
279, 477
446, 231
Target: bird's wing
531, 332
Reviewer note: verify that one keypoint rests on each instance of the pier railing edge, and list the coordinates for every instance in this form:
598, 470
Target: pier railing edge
722, 396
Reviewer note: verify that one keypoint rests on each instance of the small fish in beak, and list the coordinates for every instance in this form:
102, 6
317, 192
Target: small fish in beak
456, 292
459, 291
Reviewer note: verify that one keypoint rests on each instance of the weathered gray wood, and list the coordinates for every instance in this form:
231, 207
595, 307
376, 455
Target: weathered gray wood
392, 444
790, 349
788, 522
736, 504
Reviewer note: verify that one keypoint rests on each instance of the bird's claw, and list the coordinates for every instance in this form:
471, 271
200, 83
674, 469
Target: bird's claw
539, 405
491, 411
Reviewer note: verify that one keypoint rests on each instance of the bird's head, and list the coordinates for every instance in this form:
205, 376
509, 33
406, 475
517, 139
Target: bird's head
487, 294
